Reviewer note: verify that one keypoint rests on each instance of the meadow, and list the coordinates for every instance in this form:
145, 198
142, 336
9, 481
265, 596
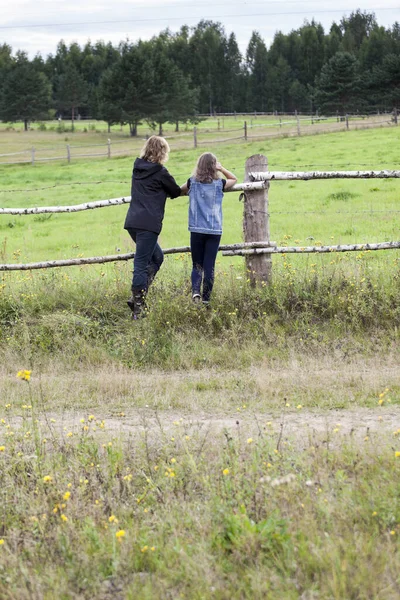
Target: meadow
249, 451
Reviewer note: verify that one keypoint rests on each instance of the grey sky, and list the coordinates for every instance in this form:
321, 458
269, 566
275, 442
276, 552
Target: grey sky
37, 26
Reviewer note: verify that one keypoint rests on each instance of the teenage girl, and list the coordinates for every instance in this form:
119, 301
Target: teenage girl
151, 185
206, 191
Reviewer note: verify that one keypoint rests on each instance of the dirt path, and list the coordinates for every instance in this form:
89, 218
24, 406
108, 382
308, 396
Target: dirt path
299, 424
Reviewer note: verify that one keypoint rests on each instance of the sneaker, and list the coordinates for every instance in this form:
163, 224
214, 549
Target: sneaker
196, 298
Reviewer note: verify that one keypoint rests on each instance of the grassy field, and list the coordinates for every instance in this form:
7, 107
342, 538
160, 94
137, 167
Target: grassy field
249, 451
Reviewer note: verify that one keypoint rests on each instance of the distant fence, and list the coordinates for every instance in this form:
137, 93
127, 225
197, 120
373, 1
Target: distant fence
280, 126
257, 247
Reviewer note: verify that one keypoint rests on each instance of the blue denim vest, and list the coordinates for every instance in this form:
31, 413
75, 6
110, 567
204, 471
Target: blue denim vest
205, 206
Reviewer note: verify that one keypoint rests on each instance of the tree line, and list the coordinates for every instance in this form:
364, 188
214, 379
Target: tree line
174, 77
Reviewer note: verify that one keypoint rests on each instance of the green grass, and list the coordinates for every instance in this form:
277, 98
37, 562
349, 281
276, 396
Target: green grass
246, 451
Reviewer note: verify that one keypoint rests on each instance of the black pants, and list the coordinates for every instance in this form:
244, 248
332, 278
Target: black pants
148, 258
204, 248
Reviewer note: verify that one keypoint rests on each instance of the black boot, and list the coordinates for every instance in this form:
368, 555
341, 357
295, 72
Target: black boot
137, 303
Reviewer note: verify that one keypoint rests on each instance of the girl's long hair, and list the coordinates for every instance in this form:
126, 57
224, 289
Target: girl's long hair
155, 150
206, 168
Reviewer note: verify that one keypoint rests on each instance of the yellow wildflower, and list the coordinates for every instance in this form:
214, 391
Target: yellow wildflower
250, 441
47, 479
64, 518
120, 534
225, 472
2, 448
24, 375
113, 519
66, 495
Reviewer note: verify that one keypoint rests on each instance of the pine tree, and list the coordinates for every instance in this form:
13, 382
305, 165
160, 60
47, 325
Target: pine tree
339, 88
72, 90
26, 93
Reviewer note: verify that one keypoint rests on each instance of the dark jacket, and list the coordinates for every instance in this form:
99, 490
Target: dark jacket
151, 185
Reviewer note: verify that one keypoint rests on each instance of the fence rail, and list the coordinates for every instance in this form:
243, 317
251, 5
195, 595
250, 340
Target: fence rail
299, 125
259, 182
249, 249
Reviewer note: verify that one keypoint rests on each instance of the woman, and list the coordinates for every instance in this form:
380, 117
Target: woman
206, 191
151, 185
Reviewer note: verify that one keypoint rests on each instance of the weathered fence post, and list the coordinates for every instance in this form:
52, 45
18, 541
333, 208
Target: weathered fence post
395, 116
298, 124
256, 221
33, 155
68, 153
108, 148
245, 130
195, 137
347, 121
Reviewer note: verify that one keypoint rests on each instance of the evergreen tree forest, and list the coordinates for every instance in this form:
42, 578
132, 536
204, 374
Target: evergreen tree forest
175, 77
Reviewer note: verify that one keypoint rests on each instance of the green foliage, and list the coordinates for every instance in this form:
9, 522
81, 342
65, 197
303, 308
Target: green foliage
203, 70
338, 88
25, 92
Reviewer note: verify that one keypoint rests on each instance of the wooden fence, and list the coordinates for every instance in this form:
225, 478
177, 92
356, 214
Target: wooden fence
257, 247
281, 126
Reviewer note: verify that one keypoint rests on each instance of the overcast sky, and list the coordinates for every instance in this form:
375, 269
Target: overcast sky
36, 26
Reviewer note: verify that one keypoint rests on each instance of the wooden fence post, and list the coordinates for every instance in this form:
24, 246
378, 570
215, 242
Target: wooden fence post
256, 221
347, 121
395, 116
298, 124
245, 130
195, 137
108, 148
33, 155
68, 153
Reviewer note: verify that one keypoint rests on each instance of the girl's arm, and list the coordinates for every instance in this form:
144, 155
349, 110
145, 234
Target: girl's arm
231, 179
184, 189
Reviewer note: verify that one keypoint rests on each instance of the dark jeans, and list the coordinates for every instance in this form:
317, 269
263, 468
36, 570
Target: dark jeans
204, 248
148, 258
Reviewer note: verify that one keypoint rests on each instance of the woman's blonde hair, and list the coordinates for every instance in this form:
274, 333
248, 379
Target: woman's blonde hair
206, 168
155, 150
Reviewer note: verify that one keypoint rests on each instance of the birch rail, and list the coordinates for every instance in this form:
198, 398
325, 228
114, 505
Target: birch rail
69, 262
311, 249
259, 182
240, 187
307, 175
245, 249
